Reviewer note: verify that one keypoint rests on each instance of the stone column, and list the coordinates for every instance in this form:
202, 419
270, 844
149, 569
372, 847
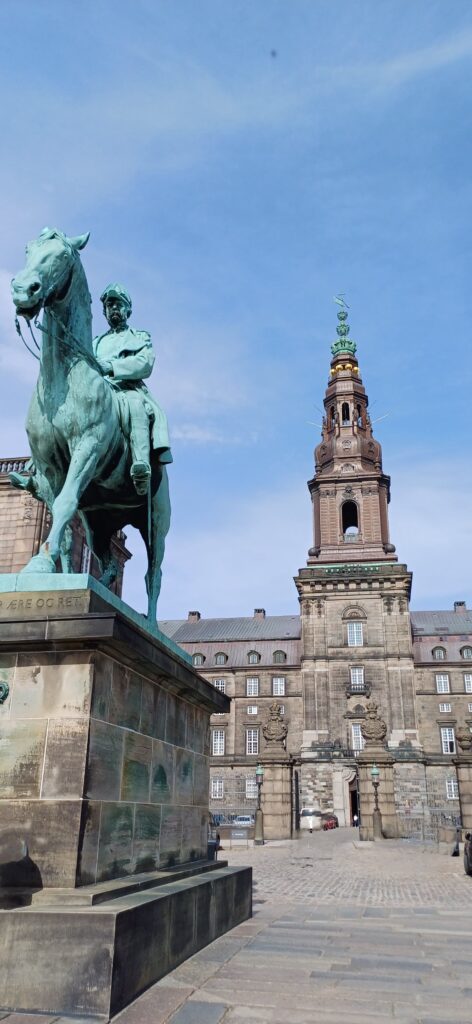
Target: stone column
374, 731
463, 763
276, 796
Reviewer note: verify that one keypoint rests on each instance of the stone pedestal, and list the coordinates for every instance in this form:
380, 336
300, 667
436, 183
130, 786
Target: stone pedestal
104, 752
463, 763
277, 797
386, 793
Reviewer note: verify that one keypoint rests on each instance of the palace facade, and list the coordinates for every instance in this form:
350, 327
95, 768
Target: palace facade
316, 674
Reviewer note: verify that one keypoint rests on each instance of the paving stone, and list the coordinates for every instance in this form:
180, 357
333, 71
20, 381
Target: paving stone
154, 1006
199, 1013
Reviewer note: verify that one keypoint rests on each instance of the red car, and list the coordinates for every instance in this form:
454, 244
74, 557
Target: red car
329, 821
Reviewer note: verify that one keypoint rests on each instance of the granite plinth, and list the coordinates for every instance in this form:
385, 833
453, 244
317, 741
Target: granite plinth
92, 960
104, 778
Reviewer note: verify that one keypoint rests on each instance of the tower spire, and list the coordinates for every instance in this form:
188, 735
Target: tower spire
350, 492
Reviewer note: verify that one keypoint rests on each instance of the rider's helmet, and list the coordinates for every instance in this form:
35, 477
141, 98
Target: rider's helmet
118, 292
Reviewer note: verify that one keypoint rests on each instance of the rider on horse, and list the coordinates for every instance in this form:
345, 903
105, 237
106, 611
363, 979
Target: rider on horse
126, 357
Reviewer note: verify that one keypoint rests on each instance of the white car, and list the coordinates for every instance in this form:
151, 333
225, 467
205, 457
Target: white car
310, 819
243, 821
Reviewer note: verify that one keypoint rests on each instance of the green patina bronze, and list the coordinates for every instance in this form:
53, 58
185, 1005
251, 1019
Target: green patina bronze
344, 343
99, 441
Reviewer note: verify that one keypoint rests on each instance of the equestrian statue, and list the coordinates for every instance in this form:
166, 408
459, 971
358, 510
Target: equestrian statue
99, 441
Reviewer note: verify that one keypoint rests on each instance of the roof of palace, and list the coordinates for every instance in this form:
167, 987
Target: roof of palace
440, 623
271, 627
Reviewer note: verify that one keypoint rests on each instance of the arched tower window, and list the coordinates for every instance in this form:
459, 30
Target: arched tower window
359, 416
345, 415
350, 521
332, 416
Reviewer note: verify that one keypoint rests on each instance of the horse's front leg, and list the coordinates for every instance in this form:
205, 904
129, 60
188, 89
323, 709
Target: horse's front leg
81, 471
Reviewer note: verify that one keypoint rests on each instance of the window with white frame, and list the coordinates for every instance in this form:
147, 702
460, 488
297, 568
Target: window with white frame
467, 653
252, 709
198, 659
253, 658
448, 740
252, 686
279, 657
438, 653
220, 658
355, 636
220, 684
469, 706
278, 686
442, 682
468, 682
282, 709
251, 788
217, 789
217, 742
452, 789
445, 708
252, 741
357, 737
357, 677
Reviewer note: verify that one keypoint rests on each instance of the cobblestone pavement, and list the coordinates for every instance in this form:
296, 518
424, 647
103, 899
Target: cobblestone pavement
341, 931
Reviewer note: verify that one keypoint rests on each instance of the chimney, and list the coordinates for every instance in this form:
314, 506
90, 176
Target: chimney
460, 606
259, 613
193, 617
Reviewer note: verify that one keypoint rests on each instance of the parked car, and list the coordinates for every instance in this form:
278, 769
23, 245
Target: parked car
243, 821
329, 821
468, 853
310, 819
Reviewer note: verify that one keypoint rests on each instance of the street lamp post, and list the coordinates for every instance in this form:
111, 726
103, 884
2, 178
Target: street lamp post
259, 829
377, 817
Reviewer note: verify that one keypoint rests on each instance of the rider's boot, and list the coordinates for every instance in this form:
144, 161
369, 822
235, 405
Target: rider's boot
140, 469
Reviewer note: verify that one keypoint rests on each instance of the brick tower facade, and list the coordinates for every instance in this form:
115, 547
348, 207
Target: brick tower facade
354, 596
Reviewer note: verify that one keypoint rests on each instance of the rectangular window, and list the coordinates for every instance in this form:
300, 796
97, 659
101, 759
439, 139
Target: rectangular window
252, 686
252, 741
452, 789
354, 634
468, 682
357, 678
282, 709
469, 708
445, 708
442, 682
217, 789
448, 741
357, 737
252, 709
251, 788
278, 686
217, 742
220, 684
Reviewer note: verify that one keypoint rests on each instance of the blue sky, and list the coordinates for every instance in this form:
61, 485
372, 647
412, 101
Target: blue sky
233, 192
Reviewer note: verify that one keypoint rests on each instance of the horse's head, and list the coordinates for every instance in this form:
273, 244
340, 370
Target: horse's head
50, 261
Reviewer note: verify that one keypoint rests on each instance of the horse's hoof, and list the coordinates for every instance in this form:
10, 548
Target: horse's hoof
40, 564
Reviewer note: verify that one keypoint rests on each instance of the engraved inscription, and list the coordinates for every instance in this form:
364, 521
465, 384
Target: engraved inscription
42, 604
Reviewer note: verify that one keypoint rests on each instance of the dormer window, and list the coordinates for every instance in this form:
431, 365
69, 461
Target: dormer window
466, 652
198, 659
345, 414
279, 657
220, 658
253, 658
439, 653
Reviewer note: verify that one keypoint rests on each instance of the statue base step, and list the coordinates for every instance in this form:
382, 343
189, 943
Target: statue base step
92, 959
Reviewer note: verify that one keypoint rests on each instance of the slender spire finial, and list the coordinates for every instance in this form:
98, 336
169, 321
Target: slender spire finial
343, 343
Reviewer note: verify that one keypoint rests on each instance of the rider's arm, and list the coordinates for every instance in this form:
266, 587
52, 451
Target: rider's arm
134, 365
